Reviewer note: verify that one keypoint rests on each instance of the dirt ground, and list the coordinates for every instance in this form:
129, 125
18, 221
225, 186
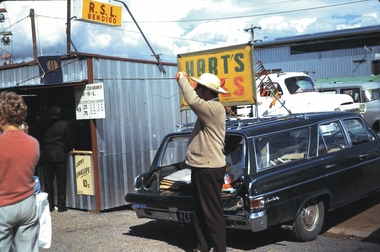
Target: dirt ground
354, 228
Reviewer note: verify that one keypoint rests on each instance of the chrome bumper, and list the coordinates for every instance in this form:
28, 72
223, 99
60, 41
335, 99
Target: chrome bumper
254, 221
242, 220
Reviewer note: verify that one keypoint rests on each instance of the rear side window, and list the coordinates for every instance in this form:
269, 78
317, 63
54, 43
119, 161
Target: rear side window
332, 137
353, 92
281, 148
264, 92
358, 132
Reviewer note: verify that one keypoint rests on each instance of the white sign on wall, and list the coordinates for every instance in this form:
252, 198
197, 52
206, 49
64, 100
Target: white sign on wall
89, 101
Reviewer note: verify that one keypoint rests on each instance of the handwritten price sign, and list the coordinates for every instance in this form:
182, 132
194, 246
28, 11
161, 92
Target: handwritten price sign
84, 174
90, 101
234, 67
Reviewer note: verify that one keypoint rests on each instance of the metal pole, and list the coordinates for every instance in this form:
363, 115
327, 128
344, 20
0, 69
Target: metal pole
154, 54
31, 14
68, 27
253, 59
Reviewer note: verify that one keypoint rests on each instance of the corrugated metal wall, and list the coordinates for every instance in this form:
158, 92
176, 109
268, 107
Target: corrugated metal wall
142, 106
327, 64
29, 75
74, 70
20, 76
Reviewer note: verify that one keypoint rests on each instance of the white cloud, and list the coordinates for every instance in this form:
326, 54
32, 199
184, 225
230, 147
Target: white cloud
274, 23
344, 26
99, 40
301, 24
200, 25
372, 15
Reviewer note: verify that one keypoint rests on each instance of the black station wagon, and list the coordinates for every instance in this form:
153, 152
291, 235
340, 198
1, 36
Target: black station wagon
283, 171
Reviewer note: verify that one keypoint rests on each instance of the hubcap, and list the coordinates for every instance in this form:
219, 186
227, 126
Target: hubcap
310, 216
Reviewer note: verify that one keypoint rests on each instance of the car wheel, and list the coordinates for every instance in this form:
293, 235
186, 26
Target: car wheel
309, 221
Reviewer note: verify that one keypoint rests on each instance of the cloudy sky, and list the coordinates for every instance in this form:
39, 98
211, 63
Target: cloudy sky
176, 26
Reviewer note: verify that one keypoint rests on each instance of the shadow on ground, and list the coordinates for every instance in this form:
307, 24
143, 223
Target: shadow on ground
373, 238
343, 216
183, 236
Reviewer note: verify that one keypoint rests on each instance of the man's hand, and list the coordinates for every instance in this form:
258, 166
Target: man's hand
179, 75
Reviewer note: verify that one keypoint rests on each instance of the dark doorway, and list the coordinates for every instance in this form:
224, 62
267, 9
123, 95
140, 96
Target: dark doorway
39, 99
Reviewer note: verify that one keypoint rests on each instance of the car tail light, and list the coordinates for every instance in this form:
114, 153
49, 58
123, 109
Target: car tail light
255, 203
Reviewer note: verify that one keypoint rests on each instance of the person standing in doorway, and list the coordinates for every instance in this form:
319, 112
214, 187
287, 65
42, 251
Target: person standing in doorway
19, 155
56, 145
205, 156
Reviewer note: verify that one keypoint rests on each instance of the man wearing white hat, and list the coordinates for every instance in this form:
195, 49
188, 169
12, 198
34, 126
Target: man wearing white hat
205, 156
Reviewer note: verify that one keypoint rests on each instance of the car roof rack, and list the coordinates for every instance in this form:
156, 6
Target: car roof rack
185, 126
244, 123
239, 124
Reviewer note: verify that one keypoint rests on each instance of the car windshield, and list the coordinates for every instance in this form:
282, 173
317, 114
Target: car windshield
300, 84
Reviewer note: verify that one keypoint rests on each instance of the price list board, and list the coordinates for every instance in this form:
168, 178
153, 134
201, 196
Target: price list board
89, 101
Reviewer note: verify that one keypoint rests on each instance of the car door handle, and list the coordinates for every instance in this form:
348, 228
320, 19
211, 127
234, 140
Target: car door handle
363, 156
330, 166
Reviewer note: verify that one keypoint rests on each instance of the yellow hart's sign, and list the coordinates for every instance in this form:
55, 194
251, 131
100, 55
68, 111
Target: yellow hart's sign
234, 67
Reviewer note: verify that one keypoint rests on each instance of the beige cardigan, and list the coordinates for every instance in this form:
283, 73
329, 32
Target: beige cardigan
206, 145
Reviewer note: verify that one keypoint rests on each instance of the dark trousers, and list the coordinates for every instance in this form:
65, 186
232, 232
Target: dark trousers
209, 221
57, 169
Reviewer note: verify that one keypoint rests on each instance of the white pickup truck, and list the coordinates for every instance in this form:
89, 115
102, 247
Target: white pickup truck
297, 93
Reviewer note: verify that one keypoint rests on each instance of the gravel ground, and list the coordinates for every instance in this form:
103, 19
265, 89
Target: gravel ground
121, 230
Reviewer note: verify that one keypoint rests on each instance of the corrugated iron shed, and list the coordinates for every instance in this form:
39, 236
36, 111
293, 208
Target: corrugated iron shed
343, 53
142, 105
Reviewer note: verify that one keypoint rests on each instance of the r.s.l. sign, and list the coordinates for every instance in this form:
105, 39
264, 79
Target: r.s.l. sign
98, 12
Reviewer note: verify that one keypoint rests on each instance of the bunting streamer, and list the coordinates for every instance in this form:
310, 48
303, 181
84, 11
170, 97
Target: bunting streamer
266, 86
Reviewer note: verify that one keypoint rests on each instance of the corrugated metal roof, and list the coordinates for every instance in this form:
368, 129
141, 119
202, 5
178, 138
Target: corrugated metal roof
354, 62
337, 34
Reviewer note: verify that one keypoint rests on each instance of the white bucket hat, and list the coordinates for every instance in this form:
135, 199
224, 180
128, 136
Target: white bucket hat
210, 81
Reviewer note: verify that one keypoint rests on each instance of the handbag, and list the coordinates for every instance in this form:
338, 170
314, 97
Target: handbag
43, 211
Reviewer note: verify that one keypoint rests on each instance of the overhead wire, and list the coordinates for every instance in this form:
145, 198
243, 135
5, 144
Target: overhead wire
17, 22
251, 15
214, 19
238, 17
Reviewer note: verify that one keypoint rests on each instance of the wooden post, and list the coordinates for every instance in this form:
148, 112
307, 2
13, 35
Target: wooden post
31, 14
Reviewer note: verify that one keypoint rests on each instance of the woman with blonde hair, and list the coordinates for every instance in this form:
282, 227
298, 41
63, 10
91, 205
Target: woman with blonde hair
18, 158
